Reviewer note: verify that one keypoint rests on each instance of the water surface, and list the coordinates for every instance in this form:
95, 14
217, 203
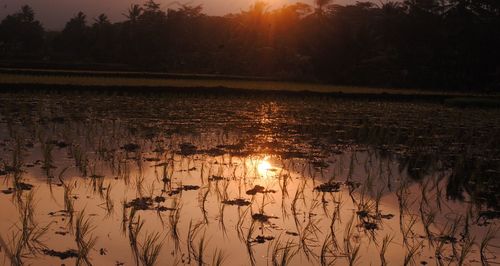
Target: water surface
186, 178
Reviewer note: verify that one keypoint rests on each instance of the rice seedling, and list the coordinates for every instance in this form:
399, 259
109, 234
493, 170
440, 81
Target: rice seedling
10, 255
108, 201
467, 245
48, 160
68, 197
85, 241
139, 185
14, 253
81, 160
485, 242
378, 198
174, 217
309, 239
284, 208
150, 249
282, 254
134, 229
410, 254
202, 199
299, 194
193, 231
27, 240
200, 254
386, 241
452, 233
17, 156
427, 220
239, 225
328, 255
218, 257
466, 227
309, 236
124, 216
446, 236
222, 225
333, 235
248, 241
351, 252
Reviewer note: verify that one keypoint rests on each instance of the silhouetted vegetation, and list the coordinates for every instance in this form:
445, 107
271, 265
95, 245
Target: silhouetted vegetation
415, 43
21, 35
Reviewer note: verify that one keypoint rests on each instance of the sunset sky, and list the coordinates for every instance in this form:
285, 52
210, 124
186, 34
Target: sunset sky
54, 13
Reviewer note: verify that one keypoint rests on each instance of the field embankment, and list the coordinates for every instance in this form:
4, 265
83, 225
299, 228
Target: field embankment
42, 79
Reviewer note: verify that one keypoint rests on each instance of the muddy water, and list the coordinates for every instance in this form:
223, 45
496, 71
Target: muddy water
189, 179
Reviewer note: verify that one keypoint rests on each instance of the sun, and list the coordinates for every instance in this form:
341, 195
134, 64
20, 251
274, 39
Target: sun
263, 167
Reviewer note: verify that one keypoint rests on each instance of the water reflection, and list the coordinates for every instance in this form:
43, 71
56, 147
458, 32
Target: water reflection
265, 169
306, 181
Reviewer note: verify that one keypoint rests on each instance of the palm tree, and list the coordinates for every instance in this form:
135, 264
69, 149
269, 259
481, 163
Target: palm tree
152, 6
321, 5
102, 19
80, 20
27, 14
133, 13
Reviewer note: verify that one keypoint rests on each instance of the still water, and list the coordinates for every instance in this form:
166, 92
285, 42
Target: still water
212, 179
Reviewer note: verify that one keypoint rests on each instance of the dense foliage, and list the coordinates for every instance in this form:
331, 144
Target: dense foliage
416, 43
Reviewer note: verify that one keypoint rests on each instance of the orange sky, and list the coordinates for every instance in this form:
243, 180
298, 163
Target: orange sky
54, 13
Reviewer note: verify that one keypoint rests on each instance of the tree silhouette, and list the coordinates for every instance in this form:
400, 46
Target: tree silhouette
74, 39
413, 43
21, 35
102, 39
321, 5
151, 6
134, 12
27, 14
102, 20
143, 36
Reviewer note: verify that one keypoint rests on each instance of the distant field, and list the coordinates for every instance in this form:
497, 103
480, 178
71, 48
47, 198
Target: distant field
158, 80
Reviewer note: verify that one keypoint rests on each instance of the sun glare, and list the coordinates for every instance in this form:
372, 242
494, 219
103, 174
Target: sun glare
263, 167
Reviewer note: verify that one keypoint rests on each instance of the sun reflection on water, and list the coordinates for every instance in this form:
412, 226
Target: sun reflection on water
265, 168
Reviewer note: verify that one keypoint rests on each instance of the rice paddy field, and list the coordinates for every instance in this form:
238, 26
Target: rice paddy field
179, 178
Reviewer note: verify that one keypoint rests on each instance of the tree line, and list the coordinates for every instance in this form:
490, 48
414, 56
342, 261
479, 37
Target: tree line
444, 44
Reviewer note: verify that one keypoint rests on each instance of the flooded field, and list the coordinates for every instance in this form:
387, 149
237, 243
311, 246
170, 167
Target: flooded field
207, 179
